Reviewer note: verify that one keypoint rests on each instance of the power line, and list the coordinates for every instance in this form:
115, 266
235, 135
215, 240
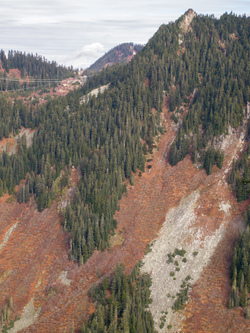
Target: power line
21, 89
28, 89
31, 80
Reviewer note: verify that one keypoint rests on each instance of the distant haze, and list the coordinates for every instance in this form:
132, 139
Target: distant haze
78, 32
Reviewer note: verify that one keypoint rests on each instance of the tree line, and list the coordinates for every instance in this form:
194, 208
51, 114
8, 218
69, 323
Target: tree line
30, 65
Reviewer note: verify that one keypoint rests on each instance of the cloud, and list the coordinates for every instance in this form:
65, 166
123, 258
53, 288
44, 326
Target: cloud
84, 57
34, 20
90, 50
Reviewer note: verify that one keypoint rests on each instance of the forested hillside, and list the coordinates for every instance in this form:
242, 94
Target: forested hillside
216, 65
102, 137
201, 69
34, 67
105, 136
239, 175
120, 54
240, 271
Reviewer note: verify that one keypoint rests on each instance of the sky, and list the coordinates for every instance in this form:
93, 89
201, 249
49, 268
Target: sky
78, 32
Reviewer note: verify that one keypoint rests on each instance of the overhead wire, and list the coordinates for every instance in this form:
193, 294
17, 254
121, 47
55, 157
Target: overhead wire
21, 81
30, 80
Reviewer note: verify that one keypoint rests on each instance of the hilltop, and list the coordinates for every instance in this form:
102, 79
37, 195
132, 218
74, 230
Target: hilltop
121, 54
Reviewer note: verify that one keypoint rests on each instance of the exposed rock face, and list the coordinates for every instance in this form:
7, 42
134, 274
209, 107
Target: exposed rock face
94, 92
29, 316
180, 231
188, 18
185, 23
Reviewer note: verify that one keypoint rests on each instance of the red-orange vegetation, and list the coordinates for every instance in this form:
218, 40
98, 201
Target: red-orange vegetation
147, 82
14, 72
36, 253
207, 309
6, 144
91, 308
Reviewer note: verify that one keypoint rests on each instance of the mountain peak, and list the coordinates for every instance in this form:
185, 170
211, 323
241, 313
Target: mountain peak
191, 11
122, 54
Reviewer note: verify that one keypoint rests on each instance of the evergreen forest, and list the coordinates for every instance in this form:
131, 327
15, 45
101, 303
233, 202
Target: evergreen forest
240, 270
118, 54
36, 67
122, 301
107, 137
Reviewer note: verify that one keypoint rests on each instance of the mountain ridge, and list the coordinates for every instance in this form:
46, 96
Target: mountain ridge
122, 53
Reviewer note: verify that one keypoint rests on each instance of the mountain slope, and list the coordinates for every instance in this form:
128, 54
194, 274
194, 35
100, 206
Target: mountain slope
121, 54
142, 213
185, 71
